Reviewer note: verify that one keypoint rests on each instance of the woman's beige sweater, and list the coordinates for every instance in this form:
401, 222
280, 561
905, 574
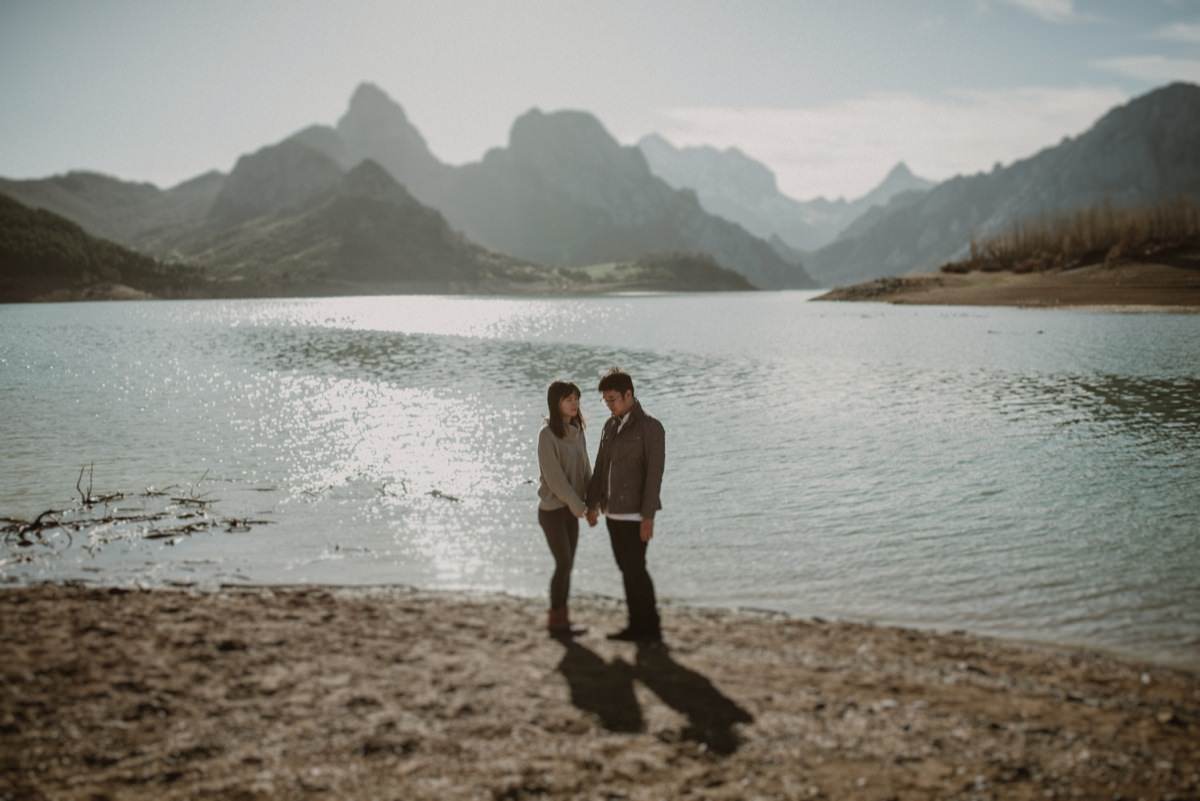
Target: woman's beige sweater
565, 470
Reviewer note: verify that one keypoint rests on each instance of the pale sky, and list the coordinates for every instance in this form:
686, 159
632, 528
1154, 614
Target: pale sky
828, 94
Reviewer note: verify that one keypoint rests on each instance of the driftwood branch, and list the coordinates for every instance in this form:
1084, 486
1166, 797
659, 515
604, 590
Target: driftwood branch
84, 497
87, 499
173, 516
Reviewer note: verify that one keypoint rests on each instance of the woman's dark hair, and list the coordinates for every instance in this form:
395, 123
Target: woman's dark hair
557, 391
616, 380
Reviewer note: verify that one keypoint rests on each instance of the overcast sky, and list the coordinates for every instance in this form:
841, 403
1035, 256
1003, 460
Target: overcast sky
828, 94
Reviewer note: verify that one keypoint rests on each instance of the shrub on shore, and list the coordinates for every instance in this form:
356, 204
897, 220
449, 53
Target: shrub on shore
1103, 233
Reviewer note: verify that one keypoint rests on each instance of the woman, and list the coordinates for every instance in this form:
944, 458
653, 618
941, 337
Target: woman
565, 469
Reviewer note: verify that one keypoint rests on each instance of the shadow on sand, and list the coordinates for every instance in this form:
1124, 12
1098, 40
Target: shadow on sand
605, 689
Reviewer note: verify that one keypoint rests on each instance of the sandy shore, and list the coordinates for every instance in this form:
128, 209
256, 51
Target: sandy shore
1124, 287
396, 694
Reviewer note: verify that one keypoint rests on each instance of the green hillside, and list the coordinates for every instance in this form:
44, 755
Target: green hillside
46, 257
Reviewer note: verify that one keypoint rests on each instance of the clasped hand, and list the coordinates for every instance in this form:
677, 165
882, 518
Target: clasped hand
646, 531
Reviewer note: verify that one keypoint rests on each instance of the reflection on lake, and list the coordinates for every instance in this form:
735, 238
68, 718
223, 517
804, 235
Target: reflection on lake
1017, 472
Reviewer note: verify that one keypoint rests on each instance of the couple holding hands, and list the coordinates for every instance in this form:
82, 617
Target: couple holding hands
624, 487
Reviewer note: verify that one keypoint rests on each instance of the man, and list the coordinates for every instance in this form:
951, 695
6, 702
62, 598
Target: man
625, 486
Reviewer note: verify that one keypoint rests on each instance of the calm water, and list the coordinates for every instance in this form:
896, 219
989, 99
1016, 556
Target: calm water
1014, 472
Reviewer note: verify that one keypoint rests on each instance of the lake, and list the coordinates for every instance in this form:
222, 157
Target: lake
1021, 473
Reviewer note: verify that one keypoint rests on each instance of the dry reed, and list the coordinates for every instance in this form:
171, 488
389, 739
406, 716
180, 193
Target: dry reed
1103, 233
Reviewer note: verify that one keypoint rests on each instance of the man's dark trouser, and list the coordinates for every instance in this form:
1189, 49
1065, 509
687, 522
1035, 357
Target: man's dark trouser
630, 553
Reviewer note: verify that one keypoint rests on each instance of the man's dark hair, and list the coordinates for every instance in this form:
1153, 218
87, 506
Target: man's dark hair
616, 380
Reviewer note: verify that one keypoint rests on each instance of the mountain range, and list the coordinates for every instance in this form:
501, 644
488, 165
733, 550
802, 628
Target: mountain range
365, 204
1137, 154
732, 185
563, 191
361, 233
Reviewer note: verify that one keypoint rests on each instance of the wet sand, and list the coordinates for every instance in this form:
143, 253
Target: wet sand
1125, 287
314, 692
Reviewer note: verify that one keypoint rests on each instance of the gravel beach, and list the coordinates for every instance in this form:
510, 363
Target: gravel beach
319, 692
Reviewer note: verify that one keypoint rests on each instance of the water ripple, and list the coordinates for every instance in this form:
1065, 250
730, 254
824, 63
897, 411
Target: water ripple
1016, 472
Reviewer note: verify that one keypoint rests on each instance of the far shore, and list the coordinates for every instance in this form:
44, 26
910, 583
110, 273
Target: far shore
121, 292
289, 692
110, 291
1128, 287
652, 274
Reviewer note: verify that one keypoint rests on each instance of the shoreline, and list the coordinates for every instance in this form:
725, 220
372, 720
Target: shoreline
1108, 651
765, 613
1122, 288
263, 692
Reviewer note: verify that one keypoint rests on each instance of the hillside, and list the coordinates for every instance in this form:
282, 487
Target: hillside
45, 256
364, 234
121, 211
1137, 154
1146, 258
283, 176
364, 231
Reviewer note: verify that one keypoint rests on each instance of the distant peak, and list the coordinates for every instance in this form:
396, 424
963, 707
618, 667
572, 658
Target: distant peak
287, 156
368, 171
1176, 88
367, 92
372, 105
730, 154
369, 179
1178, 97
655, 140
568, 120
898, 179
311, 130
537, 128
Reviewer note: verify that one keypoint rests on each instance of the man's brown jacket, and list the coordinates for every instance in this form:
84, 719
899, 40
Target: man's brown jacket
636, 457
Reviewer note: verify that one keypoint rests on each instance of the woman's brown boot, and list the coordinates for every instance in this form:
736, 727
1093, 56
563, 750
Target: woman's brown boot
559, 624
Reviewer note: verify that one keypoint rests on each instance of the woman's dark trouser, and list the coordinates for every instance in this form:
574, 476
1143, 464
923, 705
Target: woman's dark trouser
630, 553
562, 535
